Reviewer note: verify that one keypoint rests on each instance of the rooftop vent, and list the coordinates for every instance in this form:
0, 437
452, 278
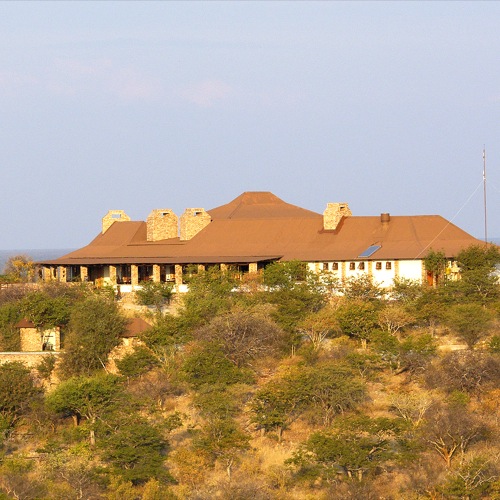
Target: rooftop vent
386, 217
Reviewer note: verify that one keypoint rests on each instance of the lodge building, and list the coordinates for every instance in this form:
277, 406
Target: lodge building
251, 231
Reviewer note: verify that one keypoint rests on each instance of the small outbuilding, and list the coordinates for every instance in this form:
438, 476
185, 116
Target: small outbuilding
34, 339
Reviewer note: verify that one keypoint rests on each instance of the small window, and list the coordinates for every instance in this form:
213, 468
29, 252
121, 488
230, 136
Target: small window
325, 266
335, 266
388, 265
361, 266
378, 266
352, 266
116, 216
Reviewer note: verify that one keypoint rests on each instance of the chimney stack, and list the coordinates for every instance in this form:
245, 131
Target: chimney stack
385, 218
113, 216
333, 214
162, 224
193, 220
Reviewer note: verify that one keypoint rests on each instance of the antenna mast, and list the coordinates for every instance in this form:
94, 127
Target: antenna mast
484, 197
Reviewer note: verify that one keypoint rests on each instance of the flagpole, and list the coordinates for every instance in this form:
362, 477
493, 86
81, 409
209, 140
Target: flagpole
484, 197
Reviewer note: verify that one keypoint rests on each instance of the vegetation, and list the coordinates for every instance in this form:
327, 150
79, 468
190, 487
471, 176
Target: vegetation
290, 390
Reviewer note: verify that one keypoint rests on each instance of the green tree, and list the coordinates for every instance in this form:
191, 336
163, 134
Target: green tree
95, 328
44, 310
358, 319
361, 288
155, 294
471, 322
210, 294
207, 363
17, 392
136, 451
435, 265
294, 290
91, 398
355, 446
10, 314
138, 362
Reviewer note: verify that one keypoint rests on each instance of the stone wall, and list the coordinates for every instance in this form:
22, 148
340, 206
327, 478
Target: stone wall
113, 216
162, 224
30, 359
333, 214
193, 220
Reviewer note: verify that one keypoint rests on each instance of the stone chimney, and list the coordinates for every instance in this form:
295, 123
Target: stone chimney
193, 220
162, 224
333, 213
113, 216
385, 218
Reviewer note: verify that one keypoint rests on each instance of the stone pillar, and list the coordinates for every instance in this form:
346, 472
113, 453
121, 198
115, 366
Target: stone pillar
134, 272
252, 267
343, 269
396, 268
370, 268
223, 268
61, 272
201, 268
84, 273
112, 274
178, 274
46, 273
156, 273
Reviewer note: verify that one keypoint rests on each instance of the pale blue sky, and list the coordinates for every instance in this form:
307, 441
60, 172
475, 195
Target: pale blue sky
142, 105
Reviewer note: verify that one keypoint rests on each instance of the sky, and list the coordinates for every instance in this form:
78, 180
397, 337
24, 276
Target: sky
140, 105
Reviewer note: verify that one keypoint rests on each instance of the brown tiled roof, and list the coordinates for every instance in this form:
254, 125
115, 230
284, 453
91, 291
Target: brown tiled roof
259, 226
135, 326
25, 323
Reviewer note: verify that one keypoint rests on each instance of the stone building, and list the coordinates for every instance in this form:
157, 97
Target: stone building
251, 231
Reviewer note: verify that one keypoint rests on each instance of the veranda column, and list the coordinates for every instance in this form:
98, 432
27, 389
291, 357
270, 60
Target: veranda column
61, 273
252, 267
178, 274
223, 268
112, 274
46, 273
156, 273
84, 273
134, 271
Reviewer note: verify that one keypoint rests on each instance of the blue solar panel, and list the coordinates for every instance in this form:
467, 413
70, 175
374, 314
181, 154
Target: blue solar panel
369, 251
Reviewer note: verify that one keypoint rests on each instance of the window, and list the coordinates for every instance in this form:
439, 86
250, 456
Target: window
352, 266
378, 266
361, 266
388, 265
325, 266
335, 266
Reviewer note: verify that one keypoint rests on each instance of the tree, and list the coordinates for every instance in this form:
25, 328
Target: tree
44, 310
210, 294
357, 319
136, 451
294, 290
394, 318
435, 265
317, 326
355, 446
361, 288
244, 335
138, 362
90, 398
154, 294
95, 328
207, 363
17, 392
449, 429
470, 321
20, 269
